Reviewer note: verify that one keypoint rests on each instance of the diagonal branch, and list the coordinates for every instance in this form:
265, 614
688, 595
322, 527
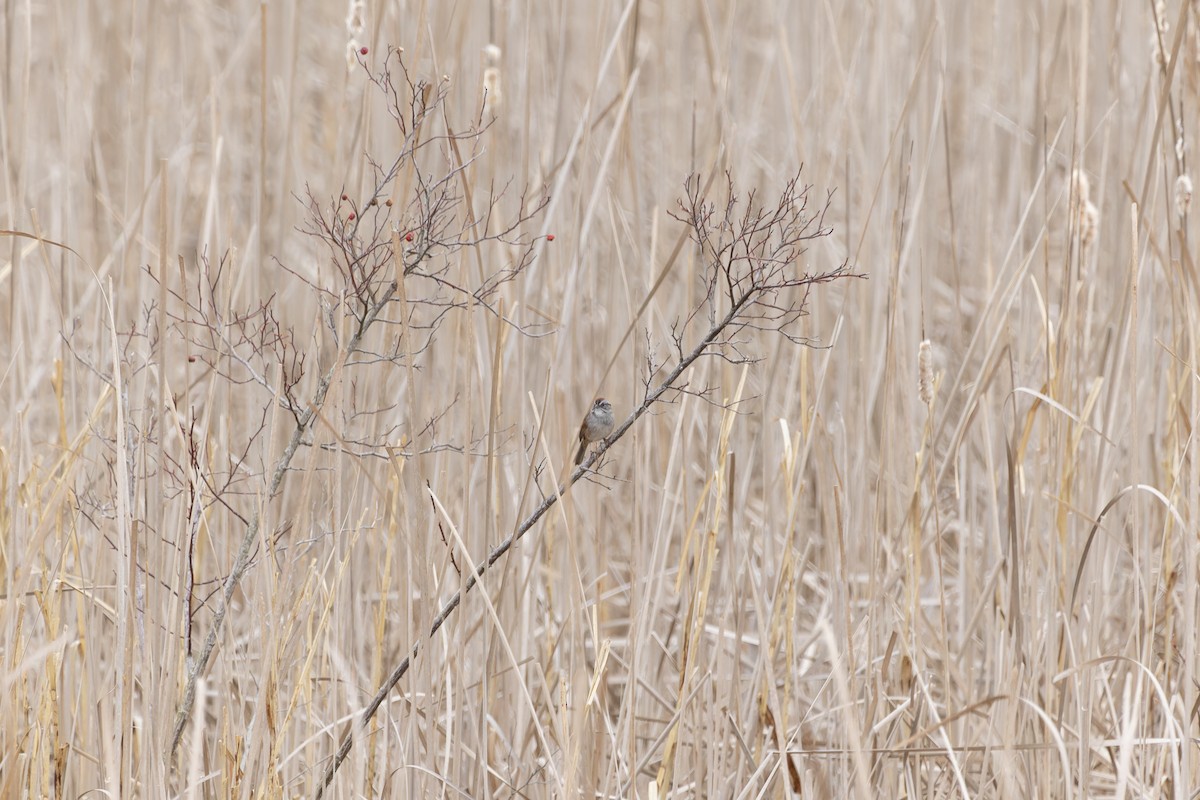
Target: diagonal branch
705, 345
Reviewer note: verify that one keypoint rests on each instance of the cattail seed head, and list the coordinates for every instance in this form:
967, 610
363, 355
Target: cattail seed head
1158, 58
1159, 36
1081, 187
925, 369
1183, 195
356, 25
356, 18
1089, 223
1083, 209
493, 94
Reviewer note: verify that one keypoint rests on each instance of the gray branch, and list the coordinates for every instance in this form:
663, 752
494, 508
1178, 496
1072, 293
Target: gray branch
242, 561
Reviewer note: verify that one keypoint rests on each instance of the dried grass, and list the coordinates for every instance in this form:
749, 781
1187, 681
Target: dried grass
877, 569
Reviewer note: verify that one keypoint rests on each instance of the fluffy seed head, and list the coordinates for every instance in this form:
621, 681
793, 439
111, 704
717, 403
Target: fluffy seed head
493, 94
1089, 224
1080, 186
925, 366
356, 25
1183, 195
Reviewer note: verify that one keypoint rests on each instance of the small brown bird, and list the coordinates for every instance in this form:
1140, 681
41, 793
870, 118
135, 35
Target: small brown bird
596, 425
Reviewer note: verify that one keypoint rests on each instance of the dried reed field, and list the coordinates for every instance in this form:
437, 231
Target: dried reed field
895, 306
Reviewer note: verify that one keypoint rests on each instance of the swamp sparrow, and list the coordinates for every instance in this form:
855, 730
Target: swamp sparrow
596, 425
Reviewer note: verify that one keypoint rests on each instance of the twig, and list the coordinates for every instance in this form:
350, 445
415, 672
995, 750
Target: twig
243, 557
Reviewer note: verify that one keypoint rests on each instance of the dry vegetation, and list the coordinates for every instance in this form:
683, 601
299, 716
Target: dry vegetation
296, 341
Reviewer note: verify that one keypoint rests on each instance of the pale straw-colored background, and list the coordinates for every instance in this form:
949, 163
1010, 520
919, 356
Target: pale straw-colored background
828, 584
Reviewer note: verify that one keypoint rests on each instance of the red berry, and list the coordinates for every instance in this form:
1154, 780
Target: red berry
550, 238
408, 237
363, 51
351, 217
345, 198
